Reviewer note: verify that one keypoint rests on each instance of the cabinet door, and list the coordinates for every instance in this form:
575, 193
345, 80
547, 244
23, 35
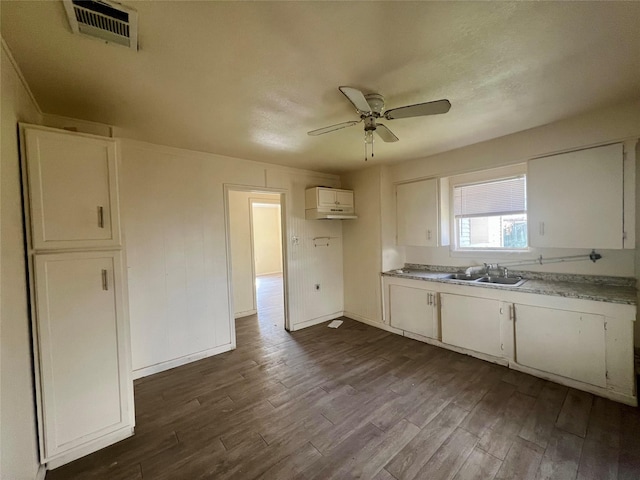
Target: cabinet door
326, 197
575, 199
570, 344
85, 385
417, 213
412, 310
344, 198
471, 322
73, 190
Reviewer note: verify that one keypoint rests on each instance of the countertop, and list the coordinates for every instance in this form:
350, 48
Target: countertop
585, 290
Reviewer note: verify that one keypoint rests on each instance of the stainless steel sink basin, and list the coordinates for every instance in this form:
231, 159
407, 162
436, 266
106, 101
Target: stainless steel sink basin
511, 281
462, 276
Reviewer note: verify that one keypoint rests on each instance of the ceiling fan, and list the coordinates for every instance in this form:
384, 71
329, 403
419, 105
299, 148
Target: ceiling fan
370, 107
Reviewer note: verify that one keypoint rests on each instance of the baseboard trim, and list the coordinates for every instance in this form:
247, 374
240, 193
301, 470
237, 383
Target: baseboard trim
373, 323
86, 449
315, 321
177, 362
42, 472
600, 391
245, 313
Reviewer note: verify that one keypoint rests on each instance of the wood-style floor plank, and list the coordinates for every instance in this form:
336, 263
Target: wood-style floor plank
479, 466
521, 463
540, 423
574, 416
359, 402
562, 456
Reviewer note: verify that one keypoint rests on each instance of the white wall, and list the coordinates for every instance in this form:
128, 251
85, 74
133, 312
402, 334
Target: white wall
267, 239
310, 265
174, 223
244, 299
362, 246
606, 125
18, 437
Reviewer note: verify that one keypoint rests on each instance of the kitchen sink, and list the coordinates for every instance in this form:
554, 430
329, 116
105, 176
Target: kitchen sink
462, 276
511, 281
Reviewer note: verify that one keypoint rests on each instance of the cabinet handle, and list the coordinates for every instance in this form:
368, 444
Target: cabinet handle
100, 216
541, 228
428, 234
105, 282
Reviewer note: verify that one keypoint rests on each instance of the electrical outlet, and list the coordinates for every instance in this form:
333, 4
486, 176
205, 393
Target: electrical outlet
317, 286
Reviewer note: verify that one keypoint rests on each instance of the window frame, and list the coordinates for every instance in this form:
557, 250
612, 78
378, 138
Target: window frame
479, 177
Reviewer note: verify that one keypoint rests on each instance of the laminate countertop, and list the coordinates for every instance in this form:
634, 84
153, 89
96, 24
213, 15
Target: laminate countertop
591, 288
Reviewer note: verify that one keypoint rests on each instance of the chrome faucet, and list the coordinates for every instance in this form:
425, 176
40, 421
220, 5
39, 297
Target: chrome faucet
502, 271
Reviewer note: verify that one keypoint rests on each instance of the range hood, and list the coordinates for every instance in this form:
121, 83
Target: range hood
323, 203
316, 214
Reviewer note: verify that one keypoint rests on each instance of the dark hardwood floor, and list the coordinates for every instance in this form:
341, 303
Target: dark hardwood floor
358, 402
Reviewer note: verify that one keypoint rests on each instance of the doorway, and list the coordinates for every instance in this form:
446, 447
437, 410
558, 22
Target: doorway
257, 253
267, 260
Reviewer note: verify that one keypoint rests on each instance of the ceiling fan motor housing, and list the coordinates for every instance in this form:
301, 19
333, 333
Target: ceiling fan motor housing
376, 102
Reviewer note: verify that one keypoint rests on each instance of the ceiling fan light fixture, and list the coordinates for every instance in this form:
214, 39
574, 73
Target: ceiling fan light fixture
368, 142
368, 137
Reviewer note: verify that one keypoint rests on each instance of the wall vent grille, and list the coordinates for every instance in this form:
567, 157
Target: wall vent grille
107, 21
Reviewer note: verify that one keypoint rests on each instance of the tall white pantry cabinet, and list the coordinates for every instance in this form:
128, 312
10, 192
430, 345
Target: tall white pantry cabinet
84, 385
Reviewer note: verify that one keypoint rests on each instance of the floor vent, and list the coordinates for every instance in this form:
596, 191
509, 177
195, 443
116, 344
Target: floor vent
108, 21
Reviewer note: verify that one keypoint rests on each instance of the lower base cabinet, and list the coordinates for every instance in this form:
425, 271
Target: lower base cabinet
472, 323
413, 310
580, 343
85, 385
571, 344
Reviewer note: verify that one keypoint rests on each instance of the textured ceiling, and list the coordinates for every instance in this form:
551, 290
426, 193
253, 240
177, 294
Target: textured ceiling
249, 79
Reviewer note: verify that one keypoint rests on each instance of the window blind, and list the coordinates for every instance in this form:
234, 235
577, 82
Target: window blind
499, 197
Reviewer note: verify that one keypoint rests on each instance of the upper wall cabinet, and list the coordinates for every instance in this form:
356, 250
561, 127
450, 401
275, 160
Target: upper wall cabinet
575, 200
73, 189
417, 213
329, 204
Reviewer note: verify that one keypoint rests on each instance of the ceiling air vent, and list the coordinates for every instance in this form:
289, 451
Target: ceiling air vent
108, 21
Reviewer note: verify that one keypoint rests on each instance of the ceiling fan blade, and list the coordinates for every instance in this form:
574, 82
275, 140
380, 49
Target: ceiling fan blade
418, 110
356, 97
333, 128
385, 134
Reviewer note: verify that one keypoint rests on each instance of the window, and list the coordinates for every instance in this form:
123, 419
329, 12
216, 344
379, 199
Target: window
491, 215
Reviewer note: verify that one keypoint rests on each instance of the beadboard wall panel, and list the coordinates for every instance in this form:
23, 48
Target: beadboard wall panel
174, 216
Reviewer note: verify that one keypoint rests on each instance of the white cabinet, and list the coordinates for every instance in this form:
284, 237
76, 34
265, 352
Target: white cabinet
413, 310
329, 197
318, 197
417, 213
575, 200
85, 380
328, 203
73, 189
80, 327
571, 344
472, 323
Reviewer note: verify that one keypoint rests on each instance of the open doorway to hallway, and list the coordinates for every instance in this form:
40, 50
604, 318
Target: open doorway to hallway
257, 260
267, 258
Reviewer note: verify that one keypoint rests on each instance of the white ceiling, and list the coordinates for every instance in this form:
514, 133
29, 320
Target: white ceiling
249, 79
